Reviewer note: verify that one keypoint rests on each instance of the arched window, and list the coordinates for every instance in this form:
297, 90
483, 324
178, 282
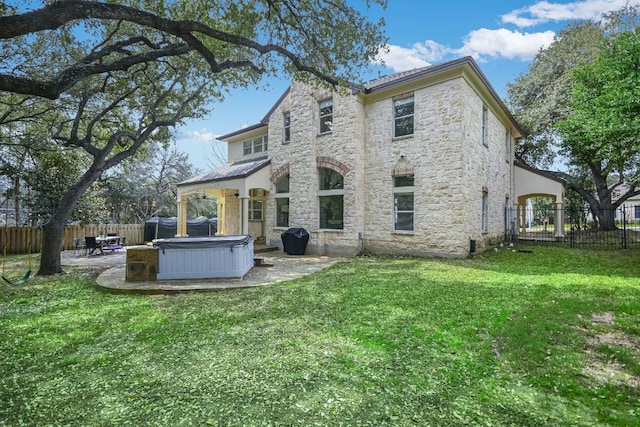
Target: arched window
330, 199
282, 202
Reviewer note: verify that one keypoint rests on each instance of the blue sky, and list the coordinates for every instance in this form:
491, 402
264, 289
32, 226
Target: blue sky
503, 36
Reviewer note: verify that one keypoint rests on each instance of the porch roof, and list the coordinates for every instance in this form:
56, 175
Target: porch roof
240, 169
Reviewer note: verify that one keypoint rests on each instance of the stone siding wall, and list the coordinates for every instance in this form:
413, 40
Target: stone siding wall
451, 166
486, 170
340, 150
433, 154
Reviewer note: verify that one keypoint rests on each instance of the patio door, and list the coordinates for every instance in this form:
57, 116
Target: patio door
257, 202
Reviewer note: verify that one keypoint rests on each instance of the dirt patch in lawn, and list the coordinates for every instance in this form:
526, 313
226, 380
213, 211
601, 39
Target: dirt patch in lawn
601, 332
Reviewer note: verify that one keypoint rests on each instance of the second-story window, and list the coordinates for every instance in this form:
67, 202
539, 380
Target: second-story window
403, 116
485, 124
286, 128
326, 116
255, 145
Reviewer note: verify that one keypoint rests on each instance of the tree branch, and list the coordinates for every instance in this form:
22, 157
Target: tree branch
59, 13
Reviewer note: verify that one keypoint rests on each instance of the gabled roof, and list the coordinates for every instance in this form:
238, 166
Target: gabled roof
397, 79
407, 76
239, 169
264, 122
560, 177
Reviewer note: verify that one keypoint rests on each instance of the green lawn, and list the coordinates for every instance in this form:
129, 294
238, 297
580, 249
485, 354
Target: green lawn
548, 338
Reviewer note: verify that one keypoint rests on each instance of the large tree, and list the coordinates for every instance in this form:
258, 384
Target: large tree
543, 97
326, 38
113, 76
137, 190
602, 132
540, 97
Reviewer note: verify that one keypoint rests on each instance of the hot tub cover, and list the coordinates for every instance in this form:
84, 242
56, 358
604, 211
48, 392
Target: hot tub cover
202, 242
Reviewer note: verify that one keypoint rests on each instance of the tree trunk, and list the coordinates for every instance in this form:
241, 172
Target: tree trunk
52, 231
607, 218
604, 207
51, 244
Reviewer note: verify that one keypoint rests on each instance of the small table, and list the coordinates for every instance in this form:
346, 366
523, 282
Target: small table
105, 241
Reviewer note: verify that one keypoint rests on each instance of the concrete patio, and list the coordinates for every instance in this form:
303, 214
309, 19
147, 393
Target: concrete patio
276, 267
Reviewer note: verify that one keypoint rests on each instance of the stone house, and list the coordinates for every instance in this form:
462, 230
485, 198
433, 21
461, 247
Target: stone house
418, 162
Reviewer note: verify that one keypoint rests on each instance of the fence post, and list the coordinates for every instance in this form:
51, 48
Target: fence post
624, 227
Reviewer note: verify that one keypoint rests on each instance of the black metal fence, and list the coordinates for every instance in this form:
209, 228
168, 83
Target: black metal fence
577, 228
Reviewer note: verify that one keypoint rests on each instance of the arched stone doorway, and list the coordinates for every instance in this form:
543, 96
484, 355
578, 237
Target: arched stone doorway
531, 183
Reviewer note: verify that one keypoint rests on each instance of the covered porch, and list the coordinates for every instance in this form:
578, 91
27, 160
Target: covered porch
530, 183
240, 189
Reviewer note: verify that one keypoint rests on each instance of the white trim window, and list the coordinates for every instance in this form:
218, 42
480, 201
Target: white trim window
255, 145
325, 116
255, 210
403, 110
485, 126
330, 199
282, 202
403, 203
286, 127
485, 211
507, 146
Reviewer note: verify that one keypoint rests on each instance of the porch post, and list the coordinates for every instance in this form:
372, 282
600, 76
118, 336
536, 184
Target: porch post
244, 214
221, 222
522, 215
182, 216
558, 220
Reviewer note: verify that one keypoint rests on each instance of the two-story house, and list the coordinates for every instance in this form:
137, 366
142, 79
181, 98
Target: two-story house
418, 162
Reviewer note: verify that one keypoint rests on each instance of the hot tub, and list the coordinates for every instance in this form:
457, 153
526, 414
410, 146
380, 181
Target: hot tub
204, 257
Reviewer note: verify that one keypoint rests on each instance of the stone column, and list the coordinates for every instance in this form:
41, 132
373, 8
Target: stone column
220, 217
558, 220
182, 216
244, 215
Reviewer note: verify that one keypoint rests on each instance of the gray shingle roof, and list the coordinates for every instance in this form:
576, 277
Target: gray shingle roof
239, 169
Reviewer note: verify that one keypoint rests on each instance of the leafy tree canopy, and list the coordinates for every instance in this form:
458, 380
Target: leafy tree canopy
602, 132
108, 78
326, 38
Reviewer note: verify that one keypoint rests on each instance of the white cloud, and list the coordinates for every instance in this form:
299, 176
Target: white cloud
485, 43
545, 11
504, 43
400, 59
501, 43
197, 136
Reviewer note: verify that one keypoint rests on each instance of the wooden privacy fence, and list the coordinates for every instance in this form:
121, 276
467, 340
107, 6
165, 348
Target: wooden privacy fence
17, 238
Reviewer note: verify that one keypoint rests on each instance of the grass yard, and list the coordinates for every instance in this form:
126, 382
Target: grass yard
548, 338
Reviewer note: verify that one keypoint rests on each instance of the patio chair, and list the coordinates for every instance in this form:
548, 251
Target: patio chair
91, 244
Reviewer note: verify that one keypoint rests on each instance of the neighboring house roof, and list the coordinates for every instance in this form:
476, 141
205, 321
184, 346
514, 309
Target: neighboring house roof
239, 169
397, 79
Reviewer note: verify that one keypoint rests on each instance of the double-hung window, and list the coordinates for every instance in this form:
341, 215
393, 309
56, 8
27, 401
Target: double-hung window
331, 199
403, 109
485, 211
256, 204
286, 128
255, 145
485, 125
326, 116
403, 208
282, 202
255, 210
